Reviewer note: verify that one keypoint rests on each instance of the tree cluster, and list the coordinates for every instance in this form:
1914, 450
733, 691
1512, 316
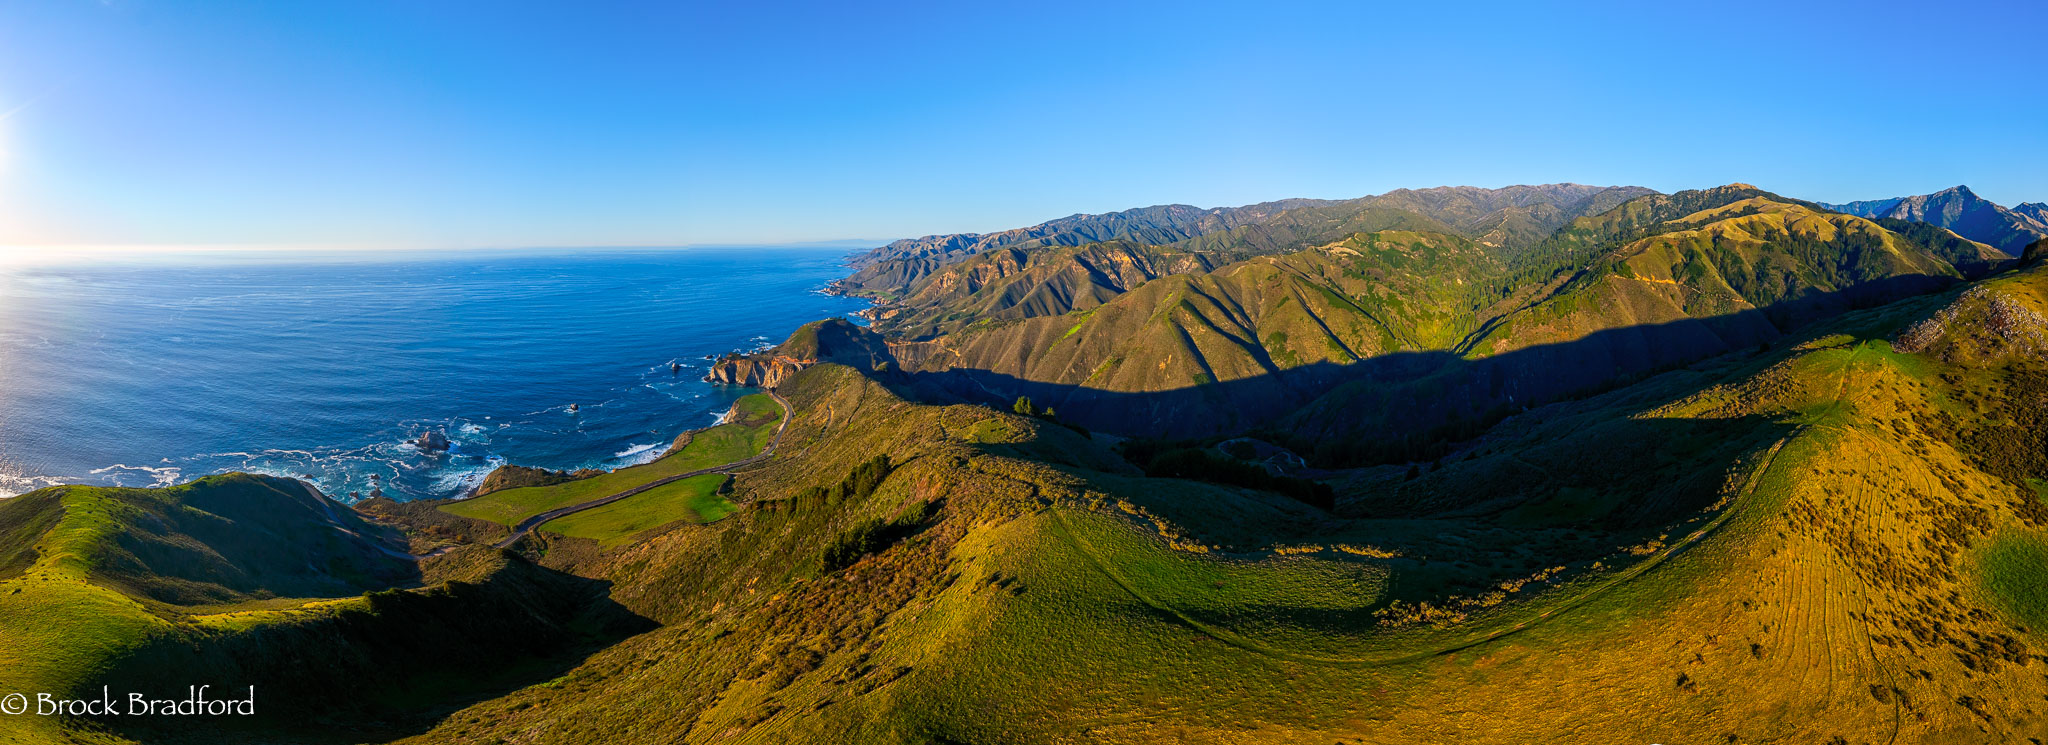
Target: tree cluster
866, 537
1025, 407
860, 483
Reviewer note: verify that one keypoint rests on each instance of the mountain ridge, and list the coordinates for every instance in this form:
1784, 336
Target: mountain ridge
1509, 215
1961, 210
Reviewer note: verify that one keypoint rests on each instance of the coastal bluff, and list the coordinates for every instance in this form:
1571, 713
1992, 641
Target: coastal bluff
830, 340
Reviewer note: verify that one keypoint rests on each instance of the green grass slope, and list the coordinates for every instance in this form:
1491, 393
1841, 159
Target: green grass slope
240, 580
694, 500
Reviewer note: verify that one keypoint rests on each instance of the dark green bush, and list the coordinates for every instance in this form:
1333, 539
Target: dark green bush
860, 483
865, 537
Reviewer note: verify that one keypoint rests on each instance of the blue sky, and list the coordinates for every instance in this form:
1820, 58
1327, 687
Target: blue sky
505, 123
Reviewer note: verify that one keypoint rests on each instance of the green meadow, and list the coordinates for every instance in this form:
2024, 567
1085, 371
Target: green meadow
750, 431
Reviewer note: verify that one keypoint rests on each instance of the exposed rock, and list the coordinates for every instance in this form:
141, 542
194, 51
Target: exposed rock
1982, 322
432, 441
681, 441
761, 370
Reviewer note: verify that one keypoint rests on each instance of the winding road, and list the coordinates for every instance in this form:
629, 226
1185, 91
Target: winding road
526, 526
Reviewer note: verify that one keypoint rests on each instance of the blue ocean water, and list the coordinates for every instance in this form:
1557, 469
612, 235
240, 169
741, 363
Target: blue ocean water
158, 372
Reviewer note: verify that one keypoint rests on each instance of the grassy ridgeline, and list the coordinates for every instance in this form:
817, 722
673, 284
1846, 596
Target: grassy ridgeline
242, 580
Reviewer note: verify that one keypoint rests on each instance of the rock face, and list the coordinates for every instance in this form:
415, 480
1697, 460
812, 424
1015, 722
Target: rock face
432, 441
763, 370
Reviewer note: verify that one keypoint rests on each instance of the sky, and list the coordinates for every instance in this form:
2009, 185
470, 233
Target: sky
508, 123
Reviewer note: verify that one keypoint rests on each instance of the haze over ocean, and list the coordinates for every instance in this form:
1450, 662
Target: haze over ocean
162, 371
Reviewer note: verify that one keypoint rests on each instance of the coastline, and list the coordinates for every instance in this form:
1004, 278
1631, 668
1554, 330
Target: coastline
497, 388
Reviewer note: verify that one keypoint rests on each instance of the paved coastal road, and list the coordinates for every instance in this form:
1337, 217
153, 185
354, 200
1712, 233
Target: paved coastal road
527, 525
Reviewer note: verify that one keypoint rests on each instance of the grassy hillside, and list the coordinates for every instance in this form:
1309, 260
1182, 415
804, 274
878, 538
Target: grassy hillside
1013, 284
1795, 546
239, 580
1451, 336
1793, 263
1231, 343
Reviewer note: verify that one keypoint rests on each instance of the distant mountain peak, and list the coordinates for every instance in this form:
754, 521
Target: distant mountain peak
1959, 209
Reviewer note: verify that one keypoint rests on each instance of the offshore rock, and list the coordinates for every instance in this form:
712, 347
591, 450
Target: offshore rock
432, 441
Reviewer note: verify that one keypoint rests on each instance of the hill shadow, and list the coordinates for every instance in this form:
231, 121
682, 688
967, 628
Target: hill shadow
389, 668
1404, 406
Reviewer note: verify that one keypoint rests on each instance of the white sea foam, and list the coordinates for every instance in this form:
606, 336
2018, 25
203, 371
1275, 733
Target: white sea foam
18, 484
166, 476
635, 450
463, 480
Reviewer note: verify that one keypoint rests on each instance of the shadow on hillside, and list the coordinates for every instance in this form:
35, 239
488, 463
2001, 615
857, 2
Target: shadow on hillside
389, 670
1404, 406
1602, 488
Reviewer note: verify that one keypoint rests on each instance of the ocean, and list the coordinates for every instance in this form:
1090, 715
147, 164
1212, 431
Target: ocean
324, 367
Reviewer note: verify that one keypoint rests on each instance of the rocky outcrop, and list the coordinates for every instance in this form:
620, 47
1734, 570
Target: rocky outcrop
432, 441
759, 370
515, 477
831, 340
1985, 322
